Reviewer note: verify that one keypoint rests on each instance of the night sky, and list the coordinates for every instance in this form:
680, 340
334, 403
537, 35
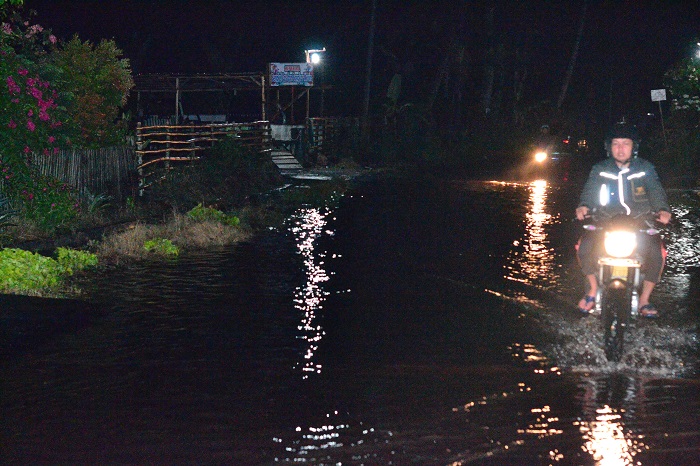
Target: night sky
626, 48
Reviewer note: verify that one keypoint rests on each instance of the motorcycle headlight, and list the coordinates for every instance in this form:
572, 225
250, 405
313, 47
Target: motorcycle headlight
620, 243
540, 157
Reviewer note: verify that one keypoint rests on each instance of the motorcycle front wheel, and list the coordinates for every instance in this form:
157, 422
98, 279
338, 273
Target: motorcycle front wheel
615, 317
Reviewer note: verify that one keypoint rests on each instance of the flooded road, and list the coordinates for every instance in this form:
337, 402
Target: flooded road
427, 323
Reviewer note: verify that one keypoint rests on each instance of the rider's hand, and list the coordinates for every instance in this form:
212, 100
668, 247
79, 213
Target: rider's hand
663, 217
581, 212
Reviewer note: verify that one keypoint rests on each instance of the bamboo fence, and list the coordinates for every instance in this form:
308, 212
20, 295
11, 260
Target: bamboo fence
159, 147
107, 171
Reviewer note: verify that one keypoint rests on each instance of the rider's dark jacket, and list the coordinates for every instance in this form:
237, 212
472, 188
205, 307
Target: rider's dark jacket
632, 190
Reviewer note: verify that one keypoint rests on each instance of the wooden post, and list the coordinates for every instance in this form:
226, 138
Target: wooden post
139, 156
291, 109
177, 100
308, 98
264, 101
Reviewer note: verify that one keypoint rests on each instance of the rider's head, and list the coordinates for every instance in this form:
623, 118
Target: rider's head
622, 131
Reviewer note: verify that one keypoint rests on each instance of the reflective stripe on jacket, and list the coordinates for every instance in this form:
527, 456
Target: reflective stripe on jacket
632, 190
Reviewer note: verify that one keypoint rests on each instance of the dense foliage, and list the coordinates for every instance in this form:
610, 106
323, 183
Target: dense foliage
225, 177
96, 82
679, 146
683, 80
53, 96
199, 213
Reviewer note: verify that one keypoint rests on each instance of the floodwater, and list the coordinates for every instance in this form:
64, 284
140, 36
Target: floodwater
427, 323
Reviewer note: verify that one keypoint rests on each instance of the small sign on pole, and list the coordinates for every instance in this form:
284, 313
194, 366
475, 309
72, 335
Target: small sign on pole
657, 95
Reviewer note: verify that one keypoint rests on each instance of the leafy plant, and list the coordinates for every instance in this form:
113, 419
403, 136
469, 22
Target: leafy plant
71, 260
22, 270
161, 246
201, 214
98, 202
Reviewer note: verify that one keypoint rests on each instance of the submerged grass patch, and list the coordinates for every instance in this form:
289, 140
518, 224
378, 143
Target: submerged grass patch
181, 230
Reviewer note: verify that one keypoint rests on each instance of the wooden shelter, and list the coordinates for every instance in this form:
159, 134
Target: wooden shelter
275, 104
179, 84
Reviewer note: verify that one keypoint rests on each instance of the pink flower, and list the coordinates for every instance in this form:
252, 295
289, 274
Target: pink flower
52, 139
43, 116
12, 124
12, 86
23, 71
27, 149
6, 28
30, 125
52, 39
30, 112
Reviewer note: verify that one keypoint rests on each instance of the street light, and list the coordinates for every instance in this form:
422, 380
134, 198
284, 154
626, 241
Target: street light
313, 56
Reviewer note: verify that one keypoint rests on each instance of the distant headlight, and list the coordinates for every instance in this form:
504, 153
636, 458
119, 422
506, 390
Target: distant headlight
540, 157
620, 243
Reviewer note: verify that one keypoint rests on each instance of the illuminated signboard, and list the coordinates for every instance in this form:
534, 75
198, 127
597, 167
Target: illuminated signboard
291, 74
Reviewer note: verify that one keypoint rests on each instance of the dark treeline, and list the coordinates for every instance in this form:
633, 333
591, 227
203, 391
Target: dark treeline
476, 74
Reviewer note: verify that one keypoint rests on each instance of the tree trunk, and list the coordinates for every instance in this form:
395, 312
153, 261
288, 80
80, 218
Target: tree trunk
442, 73
574, 54
368, 76
489, 66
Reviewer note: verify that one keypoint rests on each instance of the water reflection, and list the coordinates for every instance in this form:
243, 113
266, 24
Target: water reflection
312, 441
307, 226
532, 258
606, 438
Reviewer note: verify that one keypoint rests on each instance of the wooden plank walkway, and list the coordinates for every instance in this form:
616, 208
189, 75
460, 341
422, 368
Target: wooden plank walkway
286, 162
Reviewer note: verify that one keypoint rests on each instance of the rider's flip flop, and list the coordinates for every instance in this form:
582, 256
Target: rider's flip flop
588, 299
648, 311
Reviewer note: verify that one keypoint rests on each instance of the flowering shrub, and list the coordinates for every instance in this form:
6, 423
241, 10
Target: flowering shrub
30, 125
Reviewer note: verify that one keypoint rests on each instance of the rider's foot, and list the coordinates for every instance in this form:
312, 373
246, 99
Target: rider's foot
649, 311
586, 305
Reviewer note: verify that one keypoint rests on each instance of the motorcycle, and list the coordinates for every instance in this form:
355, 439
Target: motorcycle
553, 160
619, 275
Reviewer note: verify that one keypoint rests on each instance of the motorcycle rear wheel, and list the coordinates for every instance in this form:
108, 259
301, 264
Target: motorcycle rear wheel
615, 317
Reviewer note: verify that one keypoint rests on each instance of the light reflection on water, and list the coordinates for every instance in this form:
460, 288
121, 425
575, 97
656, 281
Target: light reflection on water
606, 439
307, 226
532, 258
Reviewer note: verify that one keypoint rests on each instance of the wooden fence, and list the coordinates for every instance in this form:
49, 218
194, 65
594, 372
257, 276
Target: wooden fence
92, 171
159, 147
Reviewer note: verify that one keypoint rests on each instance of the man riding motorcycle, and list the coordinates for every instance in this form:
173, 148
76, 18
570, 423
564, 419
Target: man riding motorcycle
623, 184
